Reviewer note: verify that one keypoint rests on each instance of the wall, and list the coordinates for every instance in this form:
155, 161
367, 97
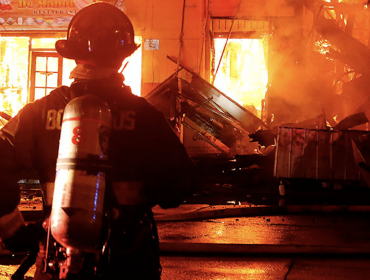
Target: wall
162, 20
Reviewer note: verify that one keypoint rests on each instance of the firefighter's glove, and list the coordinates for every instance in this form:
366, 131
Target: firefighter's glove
26, 238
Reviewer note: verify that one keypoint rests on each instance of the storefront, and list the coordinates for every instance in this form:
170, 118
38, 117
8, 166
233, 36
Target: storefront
253, 51
29, 65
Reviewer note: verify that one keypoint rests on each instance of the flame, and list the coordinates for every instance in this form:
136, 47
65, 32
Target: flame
242, 73
322, 46
13, 70
14, 65
132, 68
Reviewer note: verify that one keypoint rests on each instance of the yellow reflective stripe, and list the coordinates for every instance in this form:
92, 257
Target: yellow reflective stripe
10, 223
129, 193
48, 190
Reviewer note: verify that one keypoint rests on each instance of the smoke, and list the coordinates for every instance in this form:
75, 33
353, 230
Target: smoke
303, 80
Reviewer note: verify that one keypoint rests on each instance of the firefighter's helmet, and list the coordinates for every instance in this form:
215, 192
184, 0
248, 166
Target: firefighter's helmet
101, 33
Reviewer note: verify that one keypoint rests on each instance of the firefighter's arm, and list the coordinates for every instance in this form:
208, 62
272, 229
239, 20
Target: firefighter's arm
14, 233
16, 236
10, 217
175, 175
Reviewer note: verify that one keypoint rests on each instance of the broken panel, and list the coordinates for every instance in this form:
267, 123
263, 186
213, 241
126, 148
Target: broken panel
319, 154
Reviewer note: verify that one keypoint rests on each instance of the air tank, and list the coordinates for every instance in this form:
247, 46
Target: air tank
78, 202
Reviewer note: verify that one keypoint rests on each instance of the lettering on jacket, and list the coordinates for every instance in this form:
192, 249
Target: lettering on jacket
54, 119
122, 120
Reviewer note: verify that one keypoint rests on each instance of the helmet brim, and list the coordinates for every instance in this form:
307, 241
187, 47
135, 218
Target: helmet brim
61, 46
89, 39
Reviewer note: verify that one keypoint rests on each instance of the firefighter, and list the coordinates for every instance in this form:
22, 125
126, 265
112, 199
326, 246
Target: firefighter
149, 165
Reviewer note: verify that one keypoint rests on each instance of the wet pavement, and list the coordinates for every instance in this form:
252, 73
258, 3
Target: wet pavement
246, 239
264, 268
264, 229
251, 267
293, 242
207, 242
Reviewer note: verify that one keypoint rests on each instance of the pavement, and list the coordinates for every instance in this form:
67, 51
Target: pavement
230, 233
249, 229
253, 208
207, 228
264, 268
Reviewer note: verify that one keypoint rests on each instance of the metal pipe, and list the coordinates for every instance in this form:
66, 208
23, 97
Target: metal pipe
227, 40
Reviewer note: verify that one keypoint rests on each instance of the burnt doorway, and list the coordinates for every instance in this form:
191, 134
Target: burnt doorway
242, 71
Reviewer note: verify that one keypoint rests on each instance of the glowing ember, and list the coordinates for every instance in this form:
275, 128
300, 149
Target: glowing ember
322, 46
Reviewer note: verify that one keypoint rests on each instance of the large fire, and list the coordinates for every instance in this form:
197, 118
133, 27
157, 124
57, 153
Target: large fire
15, 70
13, 73
242, 73
132, 68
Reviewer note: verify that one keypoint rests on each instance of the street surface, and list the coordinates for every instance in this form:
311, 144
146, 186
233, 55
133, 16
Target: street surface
243, 229
310, 242
207, 243
264, 268
315, 235
226, 267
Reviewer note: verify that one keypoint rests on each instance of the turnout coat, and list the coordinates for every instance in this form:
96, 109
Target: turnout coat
150, 165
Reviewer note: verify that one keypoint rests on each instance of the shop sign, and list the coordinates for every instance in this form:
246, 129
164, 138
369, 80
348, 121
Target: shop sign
151, 44
36, 14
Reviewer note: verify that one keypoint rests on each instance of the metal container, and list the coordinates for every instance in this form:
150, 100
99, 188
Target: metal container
319, 154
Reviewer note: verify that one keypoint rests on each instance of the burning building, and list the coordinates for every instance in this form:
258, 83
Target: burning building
226, 74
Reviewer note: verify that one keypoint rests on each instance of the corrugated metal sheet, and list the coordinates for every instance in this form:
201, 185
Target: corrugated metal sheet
319, 154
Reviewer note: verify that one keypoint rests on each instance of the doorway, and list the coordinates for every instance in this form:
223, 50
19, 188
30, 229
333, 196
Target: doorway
241, 73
